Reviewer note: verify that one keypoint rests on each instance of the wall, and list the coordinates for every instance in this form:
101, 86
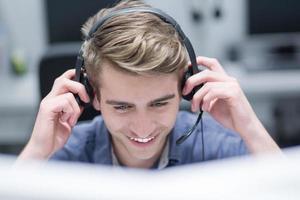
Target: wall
24, 22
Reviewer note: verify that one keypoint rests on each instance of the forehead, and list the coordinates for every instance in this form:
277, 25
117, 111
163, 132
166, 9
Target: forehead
117, 84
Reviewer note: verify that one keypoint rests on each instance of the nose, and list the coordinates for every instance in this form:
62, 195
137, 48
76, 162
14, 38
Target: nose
142, 125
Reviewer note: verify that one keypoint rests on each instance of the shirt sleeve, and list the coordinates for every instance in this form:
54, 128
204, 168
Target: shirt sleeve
79, 146
220, 142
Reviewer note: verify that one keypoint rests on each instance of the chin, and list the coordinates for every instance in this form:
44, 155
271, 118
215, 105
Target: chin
143, 155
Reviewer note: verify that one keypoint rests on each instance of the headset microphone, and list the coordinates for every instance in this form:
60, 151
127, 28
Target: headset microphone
187, 134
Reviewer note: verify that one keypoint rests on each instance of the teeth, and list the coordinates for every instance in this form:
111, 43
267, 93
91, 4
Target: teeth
142, 140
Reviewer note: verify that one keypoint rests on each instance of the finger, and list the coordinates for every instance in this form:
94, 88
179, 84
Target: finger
208, 105
208, 100
65, 116
218, 91
63, 85
77, 115
76, 108
209, 93
198, 96
69, 74
66, 112
64, 106
202, 78
73, 114
66, 133
211, 63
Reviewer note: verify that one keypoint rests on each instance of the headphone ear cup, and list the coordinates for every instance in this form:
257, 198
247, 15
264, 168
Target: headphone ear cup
88, 87
185, 77
83, 79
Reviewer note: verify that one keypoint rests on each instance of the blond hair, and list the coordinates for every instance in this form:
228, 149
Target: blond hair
137, 43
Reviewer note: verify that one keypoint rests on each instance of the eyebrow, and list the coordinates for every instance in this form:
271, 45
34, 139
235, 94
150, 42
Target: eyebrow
164, 98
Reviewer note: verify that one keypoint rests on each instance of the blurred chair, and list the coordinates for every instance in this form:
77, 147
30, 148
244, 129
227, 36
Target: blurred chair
287, 117
57, 59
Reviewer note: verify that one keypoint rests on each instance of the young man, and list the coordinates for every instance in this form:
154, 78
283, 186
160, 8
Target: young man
135, 65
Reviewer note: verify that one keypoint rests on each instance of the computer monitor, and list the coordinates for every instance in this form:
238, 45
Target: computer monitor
273, 21
273, 33
261, 177
273, 16
65, 18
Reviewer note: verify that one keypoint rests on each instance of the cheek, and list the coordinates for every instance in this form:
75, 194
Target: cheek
167, 118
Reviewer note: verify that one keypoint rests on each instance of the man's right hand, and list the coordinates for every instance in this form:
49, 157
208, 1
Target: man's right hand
58, 113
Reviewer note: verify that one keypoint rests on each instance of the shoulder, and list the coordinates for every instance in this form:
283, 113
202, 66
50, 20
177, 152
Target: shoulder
86, 131
218, 141
221, 142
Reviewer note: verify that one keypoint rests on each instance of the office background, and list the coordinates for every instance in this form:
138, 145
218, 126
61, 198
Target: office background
254, 42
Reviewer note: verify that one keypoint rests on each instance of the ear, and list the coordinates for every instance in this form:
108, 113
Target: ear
96, 102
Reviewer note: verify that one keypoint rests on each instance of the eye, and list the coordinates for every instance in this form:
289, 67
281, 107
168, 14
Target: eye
122, 108
159, 104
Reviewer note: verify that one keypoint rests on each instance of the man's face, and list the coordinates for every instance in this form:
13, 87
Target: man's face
139, 111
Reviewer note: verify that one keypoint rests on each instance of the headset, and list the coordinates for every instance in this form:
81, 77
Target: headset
81, 75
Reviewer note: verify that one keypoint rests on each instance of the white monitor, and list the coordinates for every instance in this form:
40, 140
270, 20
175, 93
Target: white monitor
266, 177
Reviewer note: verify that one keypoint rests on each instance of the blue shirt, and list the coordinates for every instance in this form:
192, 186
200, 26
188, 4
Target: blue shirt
91, 143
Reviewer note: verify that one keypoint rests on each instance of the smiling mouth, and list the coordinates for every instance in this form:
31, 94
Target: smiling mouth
141, 140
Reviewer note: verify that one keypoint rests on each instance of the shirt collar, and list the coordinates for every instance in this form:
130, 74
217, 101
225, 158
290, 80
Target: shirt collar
174, 151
